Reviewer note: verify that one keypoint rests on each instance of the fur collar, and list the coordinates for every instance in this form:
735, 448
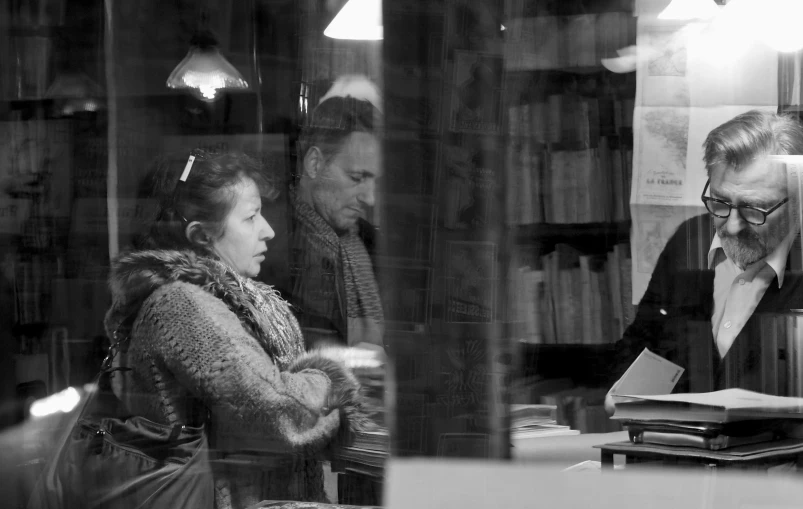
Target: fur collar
136, 275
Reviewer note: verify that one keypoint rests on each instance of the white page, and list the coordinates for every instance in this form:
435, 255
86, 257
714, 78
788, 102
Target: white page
728, 398
649, 374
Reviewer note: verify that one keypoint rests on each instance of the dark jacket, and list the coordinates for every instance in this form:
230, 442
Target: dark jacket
674, 320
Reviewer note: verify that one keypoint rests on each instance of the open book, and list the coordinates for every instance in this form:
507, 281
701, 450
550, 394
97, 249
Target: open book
728, 405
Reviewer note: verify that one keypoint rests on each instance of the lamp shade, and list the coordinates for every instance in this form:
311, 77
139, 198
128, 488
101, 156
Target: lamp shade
357, 20
690, 9
205, 72
75, 92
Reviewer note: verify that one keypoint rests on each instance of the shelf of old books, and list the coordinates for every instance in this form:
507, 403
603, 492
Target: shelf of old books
568, 160
608, 233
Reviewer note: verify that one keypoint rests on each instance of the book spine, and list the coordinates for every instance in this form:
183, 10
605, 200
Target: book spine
795, 325
769, 353
587, 300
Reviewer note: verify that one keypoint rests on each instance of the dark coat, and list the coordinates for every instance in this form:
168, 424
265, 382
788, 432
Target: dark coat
674, 320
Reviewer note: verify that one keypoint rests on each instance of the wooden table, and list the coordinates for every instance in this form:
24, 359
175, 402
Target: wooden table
755, 455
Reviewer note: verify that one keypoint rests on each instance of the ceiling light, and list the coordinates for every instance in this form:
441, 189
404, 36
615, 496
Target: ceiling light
357, 20
204, 71
690, 9
75, 92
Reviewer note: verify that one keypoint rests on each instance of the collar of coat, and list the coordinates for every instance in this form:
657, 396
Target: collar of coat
136, 275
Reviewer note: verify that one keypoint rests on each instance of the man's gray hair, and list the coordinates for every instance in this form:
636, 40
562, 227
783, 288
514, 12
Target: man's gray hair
751, 135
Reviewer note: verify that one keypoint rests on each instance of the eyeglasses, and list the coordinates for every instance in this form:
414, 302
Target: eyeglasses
722, 209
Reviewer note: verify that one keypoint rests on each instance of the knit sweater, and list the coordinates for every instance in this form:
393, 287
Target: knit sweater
197, 341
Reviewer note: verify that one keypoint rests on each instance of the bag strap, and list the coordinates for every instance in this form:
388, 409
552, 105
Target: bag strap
197, 409
108, 361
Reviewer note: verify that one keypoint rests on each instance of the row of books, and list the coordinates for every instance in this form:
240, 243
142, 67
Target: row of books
778, 355
571, 119
552, 42
575, 298
568, 186
582, 181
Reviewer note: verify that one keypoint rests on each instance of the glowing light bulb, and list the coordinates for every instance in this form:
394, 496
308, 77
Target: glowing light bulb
205, 72
64, 401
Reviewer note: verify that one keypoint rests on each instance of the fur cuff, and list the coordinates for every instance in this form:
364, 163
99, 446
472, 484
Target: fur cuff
344, 395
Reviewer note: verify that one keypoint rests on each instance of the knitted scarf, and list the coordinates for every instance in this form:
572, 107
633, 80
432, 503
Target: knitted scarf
280, 338
353, 264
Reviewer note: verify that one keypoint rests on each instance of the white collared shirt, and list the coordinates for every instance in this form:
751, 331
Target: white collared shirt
737, 292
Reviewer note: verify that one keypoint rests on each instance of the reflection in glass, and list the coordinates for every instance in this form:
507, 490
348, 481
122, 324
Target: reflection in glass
204, 71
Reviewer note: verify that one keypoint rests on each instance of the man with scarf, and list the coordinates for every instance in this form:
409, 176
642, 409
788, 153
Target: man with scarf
328, 274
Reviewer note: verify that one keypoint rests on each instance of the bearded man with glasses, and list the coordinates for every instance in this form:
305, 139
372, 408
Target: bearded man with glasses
704, 317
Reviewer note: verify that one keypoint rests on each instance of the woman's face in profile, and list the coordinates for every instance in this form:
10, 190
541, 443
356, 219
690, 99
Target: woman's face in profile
245, 232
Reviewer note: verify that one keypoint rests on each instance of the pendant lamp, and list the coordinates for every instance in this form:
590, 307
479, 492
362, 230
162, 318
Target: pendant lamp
75, 92
204, 71
690, 9
357, 20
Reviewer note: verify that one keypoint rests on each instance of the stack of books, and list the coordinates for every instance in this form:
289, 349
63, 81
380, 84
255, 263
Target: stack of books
535, 421
368, 452
711, 420
573, 297
369, 449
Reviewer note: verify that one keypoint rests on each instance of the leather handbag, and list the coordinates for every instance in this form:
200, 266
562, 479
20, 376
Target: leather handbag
107, 460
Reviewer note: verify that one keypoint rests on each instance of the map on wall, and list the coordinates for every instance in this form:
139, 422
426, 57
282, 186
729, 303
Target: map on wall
668, 53
661, 156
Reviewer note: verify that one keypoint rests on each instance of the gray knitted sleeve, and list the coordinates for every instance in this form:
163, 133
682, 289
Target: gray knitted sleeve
200, 345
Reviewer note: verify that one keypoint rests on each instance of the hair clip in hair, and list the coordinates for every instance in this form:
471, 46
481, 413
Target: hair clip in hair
187, 168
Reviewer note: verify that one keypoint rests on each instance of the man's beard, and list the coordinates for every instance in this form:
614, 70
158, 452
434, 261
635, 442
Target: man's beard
747, 247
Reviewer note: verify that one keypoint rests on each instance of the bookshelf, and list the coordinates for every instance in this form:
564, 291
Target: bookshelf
43, 165
607, 233
569, 167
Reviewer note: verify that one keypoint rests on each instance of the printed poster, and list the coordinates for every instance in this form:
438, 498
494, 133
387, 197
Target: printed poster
407, 302
471, 279
413, 104
476, 105
36, 161
470, 180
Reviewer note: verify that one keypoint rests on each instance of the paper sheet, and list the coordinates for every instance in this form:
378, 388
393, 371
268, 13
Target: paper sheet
730, 399
649, 374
